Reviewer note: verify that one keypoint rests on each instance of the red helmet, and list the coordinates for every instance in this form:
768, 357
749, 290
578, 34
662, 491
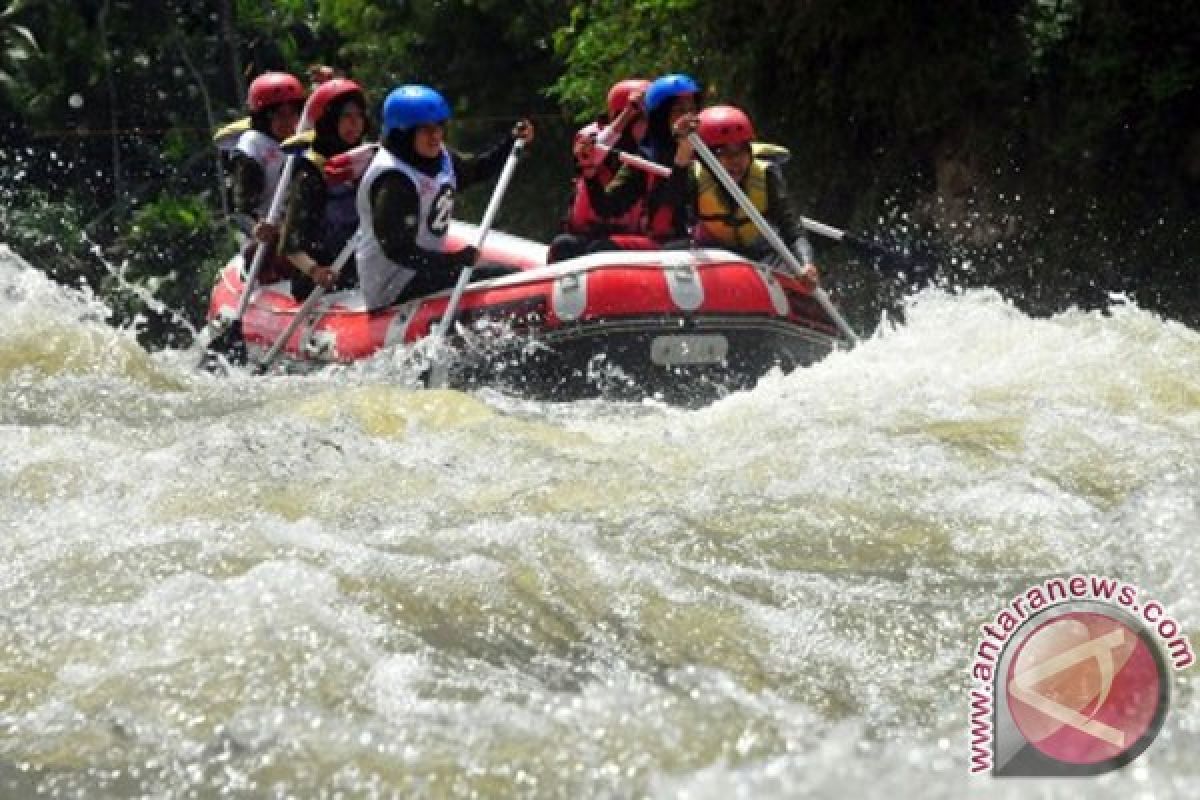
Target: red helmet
618, 95
722, 125
273, 88
324, 95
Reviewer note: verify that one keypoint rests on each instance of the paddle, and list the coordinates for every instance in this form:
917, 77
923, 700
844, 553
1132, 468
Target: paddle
884, 254
637, 162
789, 258
438, 373
219, 332
309, 304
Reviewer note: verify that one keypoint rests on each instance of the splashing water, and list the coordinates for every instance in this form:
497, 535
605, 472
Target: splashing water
306, 586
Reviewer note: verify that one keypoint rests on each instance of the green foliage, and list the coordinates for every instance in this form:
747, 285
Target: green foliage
608, 40
376, 38
487, 56
17, 46
490, 58
1119, 80
173, 249
64, 61
1057, 100
1047, 24
49, 231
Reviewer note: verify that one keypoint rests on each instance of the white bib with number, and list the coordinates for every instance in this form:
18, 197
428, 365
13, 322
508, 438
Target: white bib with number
269, 155
383, 279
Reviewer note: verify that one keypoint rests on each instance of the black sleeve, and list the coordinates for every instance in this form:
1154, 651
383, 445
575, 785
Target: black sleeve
305, 210
395, 215
674, 190
248, 182
782, 216
471, 169
622, 192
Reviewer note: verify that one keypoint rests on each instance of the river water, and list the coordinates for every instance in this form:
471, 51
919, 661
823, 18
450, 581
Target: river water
340, 586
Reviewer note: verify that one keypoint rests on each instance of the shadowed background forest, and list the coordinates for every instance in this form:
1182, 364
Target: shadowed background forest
1048, 148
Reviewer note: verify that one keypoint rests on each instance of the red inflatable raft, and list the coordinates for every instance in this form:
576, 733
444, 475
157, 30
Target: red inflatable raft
684, 325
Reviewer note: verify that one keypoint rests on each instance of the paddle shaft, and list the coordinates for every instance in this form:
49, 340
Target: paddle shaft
612, 131
735, 191
489, 215
309, 304
637, 162
821, 229
274, 214
867, 246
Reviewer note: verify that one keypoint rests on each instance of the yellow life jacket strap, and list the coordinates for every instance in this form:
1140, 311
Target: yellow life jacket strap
300, 141
774, 154
317, 160
226, 138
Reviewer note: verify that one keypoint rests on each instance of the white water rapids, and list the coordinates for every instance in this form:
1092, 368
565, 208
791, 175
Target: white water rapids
335, 586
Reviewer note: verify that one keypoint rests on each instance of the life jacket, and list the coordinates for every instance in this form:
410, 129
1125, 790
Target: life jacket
634, 241
582, 217
339, 219
269, 155
720, 220
383, 279
234, 140
226, 137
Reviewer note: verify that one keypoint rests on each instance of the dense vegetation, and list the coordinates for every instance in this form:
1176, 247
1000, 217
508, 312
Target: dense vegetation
1048, 147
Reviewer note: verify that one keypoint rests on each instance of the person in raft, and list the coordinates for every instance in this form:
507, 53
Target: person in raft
321, 215
620, 128
252, 148
719, 221
670, 105
406, 199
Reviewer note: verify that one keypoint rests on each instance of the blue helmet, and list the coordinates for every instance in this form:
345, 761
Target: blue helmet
667, 87
408, 106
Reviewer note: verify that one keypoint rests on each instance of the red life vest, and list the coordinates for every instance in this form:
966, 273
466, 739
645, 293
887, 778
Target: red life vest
582, 218
634, 241
642, 222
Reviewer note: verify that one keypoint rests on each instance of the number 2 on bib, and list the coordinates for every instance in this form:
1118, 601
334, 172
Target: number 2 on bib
440, 210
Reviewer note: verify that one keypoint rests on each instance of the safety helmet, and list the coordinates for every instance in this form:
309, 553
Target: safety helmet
722, 125
273, 88
412, 105
668, 86
618, 95
329, 91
